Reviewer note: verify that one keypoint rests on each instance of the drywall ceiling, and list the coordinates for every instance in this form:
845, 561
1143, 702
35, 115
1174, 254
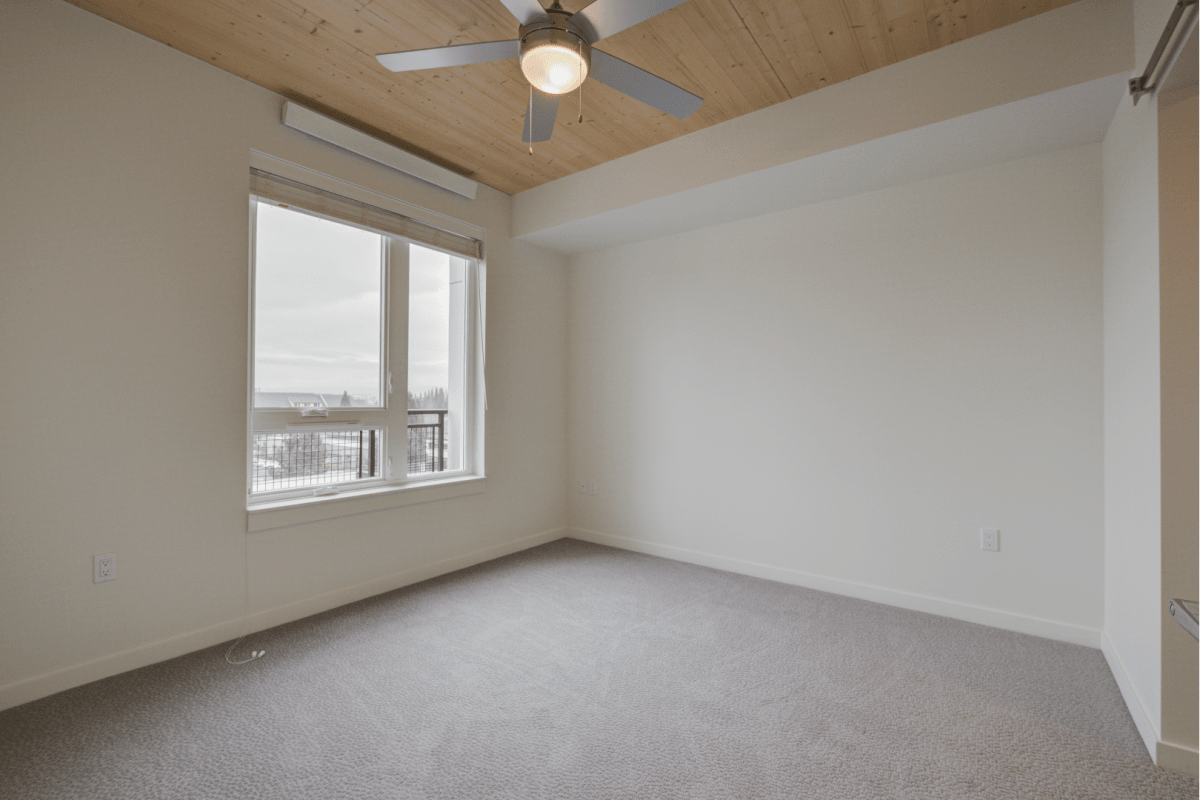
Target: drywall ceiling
739, 55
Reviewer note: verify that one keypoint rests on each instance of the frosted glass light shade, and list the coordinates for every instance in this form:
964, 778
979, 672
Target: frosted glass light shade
554, 68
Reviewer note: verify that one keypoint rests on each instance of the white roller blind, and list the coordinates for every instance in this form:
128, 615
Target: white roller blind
292, 194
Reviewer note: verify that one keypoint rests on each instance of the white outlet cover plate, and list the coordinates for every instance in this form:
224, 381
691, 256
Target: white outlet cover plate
105, 568
989, 539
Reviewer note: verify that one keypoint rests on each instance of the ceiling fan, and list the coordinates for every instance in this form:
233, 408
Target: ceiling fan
556, 55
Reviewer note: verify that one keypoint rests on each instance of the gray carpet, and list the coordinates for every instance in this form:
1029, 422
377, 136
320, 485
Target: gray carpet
578, 671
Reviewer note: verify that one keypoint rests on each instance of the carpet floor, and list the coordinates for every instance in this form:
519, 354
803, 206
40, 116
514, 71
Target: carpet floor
578, 671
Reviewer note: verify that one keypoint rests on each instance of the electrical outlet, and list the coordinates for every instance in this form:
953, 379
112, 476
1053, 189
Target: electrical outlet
989, 539
591, 487
105, 568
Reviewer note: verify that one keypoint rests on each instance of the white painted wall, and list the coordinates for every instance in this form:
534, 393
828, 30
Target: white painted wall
841, 395
1132, 473
123, 333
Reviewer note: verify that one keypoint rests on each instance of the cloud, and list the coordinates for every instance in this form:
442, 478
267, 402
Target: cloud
318, 308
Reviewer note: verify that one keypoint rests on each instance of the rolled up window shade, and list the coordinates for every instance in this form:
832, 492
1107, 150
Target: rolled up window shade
289, 193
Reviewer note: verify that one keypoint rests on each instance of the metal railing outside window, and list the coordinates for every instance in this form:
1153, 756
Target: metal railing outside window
295, 459
426, 440
298, 459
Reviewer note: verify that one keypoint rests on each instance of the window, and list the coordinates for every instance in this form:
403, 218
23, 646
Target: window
364, 334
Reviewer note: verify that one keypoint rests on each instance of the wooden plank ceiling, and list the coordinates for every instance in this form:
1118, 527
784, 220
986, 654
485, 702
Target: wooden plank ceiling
739, 55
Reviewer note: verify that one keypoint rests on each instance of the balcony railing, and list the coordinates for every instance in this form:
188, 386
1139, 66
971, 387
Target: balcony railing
426, 440
299, 459
294, 460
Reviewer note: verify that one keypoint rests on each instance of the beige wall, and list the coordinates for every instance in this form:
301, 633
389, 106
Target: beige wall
841, 395
123, 347
1177, 220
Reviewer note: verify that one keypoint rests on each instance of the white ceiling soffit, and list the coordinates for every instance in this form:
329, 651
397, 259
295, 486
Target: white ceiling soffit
1065, 118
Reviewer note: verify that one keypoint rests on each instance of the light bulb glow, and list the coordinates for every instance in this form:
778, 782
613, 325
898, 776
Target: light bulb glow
559, 75
554, 68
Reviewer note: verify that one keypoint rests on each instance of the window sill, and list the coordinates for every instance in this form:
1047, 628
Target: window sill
300, 510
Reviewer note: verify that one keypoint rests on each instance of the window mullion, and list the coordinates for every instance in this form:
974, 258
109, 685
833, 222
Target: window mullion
396, 331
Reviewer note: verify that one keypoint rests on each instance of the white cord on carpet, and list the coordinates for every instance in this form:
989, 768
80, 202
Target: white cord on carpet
257, 654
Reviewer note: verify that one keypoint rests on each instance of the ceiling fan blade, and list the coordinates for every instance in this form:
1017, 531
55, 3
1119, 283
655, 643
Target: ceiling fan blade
526, 11
456, 55
641, 85
545, 109
603, 18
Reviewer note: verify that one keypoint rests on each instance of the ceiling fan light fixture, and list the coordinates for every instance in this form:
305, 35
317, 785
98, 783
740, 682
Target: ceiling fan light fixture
554, 60
554, 47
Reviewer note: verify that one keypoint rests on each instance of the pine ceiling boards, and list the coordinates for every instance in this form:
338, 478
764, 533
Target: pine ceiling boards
740, 56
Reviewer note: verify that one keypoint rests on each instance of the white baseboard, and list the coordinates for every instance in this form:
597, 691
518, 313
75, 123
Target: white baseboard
1175, 757
14, 694
1036, 626
1133, 701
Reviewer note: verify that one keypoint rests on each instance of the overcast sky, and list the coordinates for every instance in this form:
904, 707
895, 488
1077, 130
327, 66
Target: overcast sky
428, 320
317, 297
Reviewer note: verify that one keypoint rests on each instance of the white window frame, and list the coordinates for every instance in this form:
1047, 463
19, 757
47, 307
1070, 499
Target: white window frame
395, 487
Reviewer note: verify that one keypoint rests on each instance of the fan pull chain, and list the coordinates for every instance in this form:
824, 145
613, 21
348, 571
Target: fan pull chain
529, 117
579, 54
